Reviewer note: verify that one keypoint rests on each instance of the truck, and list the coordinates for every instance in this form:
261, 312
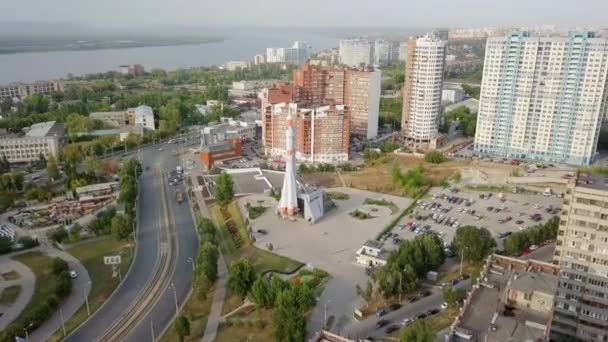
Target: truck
179, 196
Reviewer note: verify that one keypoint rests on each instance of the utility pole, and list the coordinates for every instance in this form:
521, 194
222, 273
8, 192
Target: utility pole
86, 299
152, 329
462, 259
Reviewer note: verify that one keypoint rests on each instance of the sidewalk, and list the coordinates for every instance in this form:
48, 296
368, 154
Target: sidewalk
215, 316
27, 280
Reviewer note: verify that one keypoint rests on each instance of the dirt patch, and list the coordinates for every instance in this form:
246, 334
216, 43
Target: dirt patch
322, 179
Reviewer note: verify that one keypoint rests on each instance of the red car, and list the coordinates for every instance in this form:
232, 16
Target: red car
514, 162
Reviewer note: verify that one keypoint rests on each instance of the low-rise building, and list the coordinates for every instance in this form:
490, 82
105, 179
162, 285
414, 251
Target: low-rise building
452, 95
131, 69
234, 65
226, 130
22, 90
140, 115
372, 253
226, 150
44, 138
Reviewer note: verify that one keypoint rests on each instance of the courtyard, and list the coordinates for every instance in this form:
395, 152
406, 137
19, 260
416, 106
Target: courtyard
329, 244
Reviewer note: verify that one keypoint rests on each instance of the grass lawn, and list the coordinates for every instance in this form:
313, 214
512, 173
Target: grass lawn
251, 326
470, 268
392, 206
336, 195
91, 256
262, 261
197, 312
437, 323
9, 294
41, 266
11, 275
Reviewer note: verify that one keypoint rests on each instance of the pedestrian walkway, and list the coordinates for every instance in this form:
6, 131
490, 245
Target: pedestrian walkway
27, 281
215, 316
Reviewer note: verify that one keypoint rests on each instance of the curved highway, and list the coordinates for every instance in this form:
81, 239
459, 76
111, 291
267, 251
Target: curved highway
144, 303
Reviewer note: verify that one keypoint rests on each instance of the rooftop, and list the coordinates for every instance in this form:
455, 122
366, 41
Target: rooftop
535, 281
471, 103
46, 129
217, 147
373, 244
592, 180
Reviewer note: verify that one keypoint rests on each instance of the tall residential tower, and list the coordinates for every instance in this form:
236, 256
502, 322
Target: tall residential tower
581, 302
424, 66
543, 98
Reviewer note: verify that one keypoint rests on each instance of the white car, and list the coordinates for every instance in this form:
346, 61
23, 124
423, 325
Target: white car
444, 306
73, 274
407, 322
533, 247
161, 149
523, 227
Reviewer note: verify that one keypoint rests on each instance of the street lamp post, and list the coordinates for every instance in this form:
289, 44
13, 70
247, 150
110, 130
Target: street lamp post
86, 298
62, 321
175, 298
27, 338
152, 329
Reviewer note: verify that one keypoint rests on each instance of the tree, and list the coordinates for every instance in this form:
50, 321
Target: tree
6, 246
367, 293
453, 296
473, 243
420, 331
261, 293
75, 232
207, 261
52, 169
434, 157
182, 327
224, 191
241, 277
288, 317
121, 227
92, 165
59, 265
370, 154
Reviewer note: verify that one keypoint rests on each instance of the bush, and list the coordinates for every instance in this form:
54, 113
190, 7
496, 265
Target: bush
6, 246
59, 266
515, 243
434, 157
58, 234
28, 242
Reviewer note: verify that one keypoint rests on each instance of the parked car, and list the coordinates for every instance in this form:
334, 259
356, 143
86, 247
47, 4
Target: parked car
391, 328
421, 316
533, 247
425, 293
262, 231
432, 312
444, 305
412, 299
380, 312
395, 306
382, 322
407, 322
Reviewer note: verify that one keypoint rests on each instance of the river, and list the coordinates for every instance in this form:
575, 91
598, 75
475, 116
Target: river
27, 67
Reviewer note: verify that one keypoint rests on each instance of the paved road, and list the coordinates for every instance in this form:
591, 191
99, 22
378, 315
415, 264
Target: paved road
148, 249
367, 327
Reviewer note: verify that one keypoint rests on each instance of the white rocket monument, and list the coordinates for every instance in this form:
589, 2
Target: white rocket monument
288, 205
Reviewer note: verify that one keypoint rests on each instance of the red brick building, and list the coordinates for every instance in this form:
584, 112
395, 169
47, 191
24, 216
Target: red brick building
229, 149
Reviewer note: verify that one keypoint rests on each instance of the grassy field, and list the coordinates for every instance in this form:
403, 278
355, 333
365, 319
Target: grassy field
41, 266
11, 275
197, 312
382, 202
252, 325
262, 261
335, 195
437, 323
9, 294
102, 284
376, 176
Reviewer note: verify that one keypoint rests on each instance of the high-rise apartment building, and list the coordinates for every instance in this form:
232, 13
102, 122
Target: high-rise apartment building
581, 301
385, 52
354, 52
441, 34
297, 54
543, 98
424, 66
357, 89
321, 133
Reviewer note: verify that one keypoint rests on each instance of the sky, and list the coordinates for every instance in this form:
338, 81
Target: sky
146, 14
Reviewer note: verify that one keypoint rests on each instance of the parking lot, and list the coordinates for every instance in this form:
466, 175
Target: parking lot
444, 211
